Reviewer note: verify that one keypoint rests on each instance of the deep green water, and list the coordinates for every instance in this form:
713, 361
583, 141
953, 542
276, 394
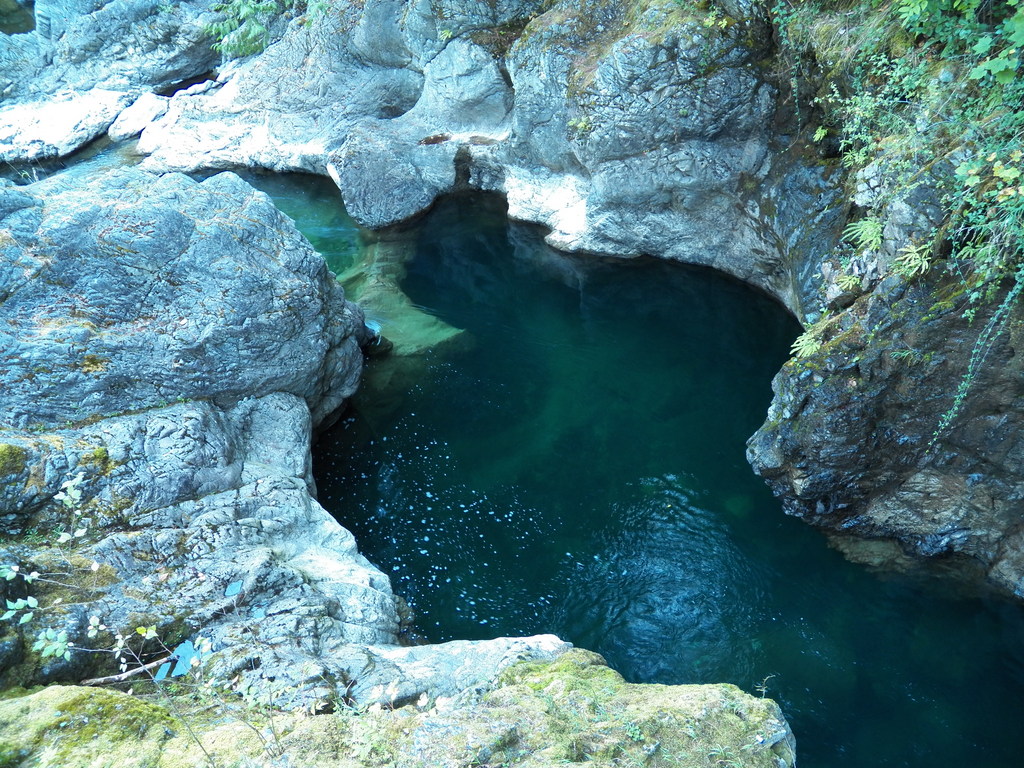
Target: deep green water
576, 466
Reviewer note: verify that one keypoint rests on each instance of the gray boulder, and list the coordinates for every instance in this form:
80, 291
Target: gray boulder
58, 125
172, 344
63, 83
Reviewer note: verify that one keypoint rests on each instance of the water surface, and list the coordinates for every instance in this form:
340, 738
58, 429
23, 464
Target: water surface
576, 465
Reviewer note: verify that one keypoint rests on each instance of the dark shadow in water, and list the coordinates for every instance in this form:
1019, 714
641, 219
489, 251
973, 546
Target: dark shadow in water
16, 20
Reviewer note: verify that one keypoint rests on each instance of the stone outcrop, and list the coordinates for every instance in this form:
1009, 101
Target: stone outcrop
900, 435
537, 715
172, 344
628, 129
121, 45
857, 439
63, 83
56, 127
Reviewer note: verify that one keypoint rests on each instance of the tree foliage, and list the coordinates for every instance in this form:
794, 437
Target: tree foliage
244, 26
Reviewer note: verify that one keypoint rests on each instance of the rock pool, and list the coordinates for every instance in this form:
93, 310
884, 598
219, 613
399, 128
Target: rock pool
574, 463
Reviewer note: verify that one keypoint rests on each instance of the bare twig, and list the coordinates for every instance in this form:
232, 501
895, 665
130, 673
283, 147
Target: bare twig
125, 675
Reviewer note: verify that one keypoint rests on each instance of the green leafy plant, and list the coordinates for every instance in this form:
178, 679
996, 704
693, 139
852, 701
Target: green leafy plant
865, 234
244, 25
848, 282
52, 643
806, 344
581, 125
929, 94
913, 260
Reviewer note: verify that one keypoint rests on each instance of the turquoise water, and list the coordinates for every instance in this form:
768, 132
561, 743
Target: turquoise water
576, 465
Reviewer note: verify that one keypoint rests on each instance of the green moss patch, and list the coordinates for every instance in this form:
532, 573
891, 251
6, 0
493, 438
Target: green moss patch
83, 727
13, 459
94, 364
100, 460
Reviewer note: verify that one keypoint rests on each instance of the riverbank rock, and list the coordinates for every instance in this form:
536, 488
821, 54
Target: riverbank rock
119, 45
856, 439
627, 129
634, 128
58, 125
64, 82
538, 715
170, 346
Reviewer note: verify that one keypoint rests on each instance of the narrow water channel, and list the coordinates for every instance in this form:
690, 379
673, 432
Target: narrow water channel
574, 463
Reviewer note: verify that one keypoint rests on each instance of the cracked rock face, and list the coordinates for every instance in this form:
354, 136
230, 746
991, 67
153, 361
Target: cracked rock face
174, 343
848, 444
626, 128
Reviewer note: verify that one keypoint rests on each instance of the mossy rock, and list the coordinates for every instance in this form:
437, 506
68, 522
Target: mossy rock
82, 727
539, 715
66, 726
13, 459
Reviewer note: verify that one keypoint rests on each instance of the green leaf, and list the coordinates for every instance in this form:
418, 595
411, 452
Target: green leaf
7, 615
233, 589
1005, 76
26, 618
983, 46
806, 344
1013, 28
